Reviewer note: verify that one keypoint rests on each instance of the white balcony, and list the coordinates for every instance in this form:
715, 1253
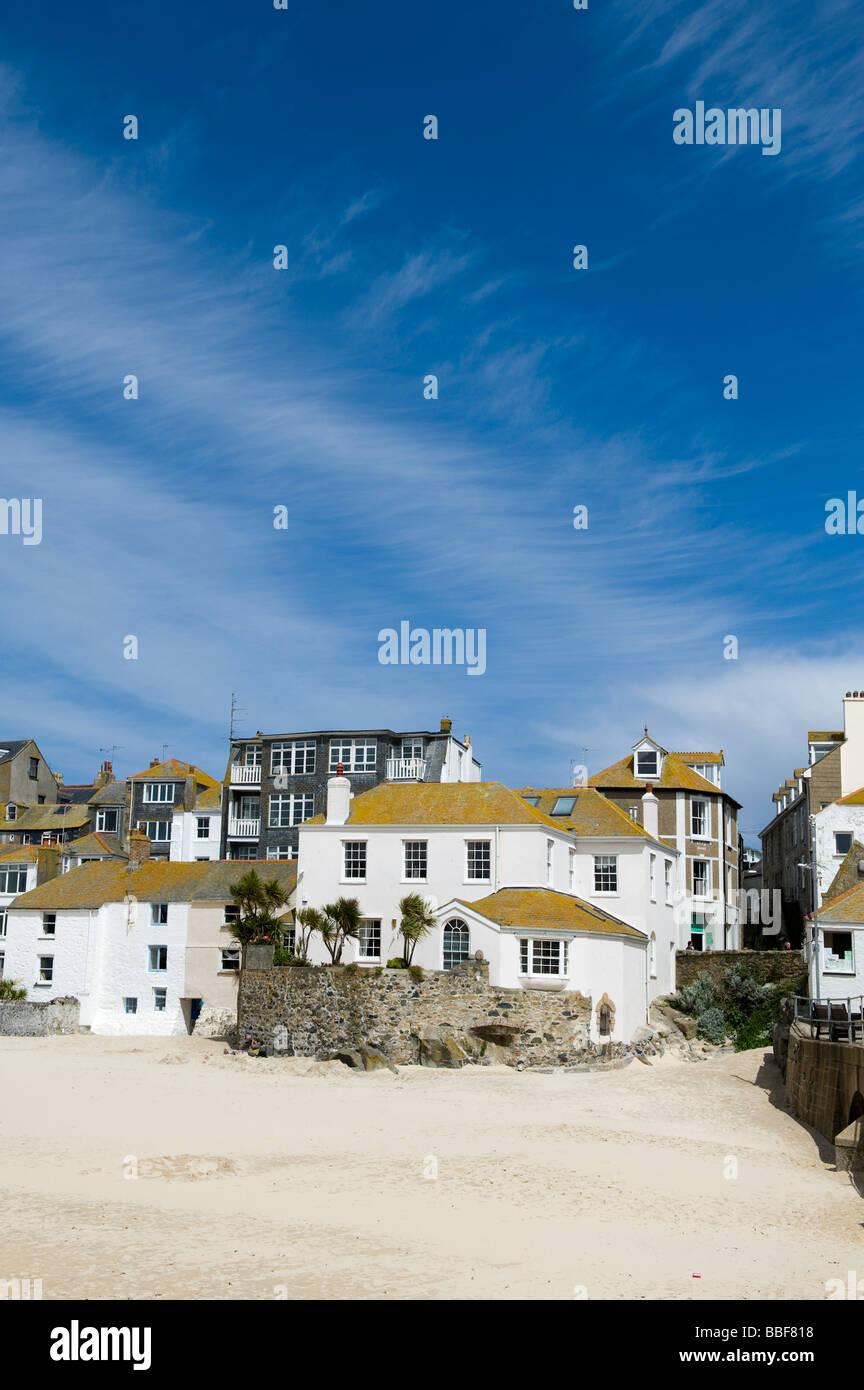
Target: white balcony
406, 769
241, 775
244, 829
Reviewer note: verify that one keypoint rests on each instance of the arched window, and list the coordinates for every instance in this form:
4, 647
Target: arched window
455, 942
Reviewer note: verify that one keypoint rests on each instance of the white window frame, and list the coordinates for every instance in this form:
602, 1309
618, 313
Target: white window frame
294, 757
17, 869
158, 914
130, 999
705, 832
708, 891
413, 748
159, 787
101, 827
368, 929
421, 852
352, 763
53, 925
157, 839
202, 827
608, 868
457, 922
232, 952
667, 879
43, 981
157, 990
280, 852
472, 850
647, 753
841, 854
535, 952
571, 869
357, 855
652, 876
303, 810
550, 863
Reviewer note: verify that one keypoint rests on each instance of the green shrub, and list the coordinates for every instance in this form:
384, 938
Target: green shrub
739, 987
397, 963
11, 991
282, 956
756, 1030
697, 998
712, 1025
352, 966
416, 972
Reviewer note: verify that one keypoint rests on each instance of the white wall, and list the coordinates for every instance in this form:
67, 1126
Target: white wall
835, 817
518, 860
185, 845
830, 984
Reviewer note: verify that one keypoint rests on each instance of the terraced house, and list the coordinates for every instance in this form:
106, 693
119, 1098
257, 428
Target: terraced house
143, 945
274, 783
698, 819
818, 816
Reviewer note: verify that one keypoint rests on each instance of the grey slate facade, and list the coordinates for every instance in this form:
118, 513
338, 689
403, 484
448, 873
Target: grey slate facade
274, 782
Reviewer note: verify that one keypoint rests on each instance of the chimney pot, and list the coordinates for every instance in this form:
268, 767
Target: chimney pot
446, 725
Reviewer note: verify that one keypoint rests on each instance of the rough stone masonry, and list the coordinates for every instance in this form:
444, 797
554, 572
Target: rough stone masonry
325, 1010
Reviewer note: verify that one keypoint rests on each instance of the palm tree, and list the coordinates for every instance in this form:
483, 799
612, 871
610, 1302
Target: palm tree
309, 920
10, 990
417, 921
340, 922
259, 905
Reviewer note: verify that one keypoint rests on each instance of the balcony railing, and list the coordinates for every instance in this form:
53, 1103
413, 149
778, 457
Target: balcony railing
406, 769
241, 774
834, 1020
244, 829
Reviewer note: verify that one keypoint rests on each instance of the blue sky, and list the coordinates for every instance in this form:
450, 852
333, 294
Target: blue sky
304, 387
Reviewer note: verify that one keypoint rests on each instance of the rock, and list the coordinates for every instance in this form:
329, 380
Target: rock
349, 1058
363, 1059
642, 1034
439, 1049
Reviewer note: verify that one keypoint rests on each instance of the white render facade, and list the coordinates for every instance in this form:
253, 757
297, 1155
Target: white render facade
452, 865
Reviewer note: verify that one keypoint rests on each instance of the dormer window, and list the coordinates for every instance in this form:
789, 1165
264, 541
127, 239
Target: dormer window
11, 811
647, 762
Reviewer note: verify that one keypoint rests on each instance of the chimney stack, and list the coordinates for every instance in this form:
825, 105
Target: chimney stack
104, 775
852, 750
446, 725
139, 847
338, 798
154, 762
650, 812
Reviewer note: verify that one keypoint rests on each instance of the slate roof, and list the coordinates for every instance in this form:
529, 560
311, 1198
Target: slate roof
443, 803
112, 794
91, 885
592, 815
10, 748
544, 909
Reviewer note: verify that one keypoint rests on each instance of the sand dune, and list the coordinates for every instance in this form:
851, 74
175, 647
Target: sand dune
290, 1178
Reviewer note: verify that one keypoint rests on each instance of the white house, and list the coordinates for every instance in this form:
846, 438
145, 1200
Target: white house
836, 947
837, 826
462, 844
196, 833
142, 945
18, 872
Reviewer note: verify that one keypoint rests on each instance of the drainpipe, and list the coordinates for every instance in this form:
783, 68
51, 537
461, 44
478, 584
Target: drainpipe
814, 887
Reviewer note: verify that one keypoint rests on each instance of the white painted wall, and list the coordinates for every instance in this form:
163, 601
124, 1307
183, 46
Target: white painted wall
852, 750
834, 818
832, 983
185, 845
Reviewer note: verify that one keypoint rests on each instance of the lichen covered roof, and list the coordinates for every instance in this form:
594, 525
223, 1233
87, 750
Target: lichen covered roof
96, 844
700, 757
592, 815
53, 817
175, 767
209, 799
852, 798
113, 794
543, 909
91, 885
846, 907
443, 803
825, 736
675, 775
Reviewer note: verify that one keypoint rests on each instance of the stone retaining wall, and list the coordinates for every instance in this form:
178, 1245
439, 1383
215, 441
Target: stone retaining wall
764, 965
325, 1010
37, 1018
824, 1080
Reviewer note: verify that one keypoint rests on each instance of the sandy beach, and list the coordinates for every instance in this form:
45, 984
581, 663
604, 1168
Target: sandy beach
261, 1179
